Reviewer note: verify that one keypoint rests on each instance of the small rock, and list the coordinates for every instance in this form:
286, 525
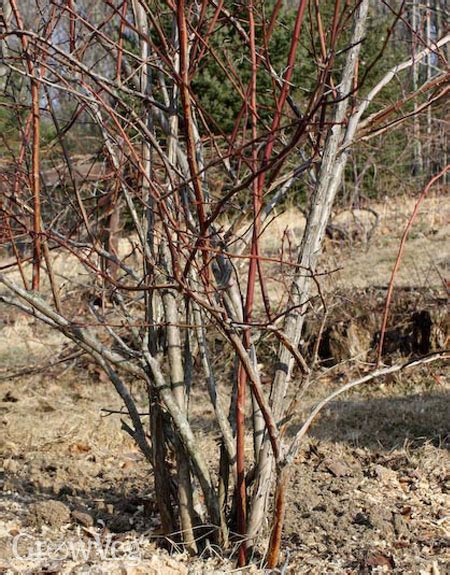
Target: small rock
83, 518
51, 513
362, 519
337, 468
384, 474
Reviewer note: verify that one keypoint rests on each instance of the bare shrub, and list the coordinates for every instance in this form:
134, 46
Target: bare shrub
121, 82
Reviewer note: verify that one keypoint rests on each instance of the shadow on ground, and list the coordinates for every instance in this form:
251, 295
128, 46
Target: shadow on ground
386, 423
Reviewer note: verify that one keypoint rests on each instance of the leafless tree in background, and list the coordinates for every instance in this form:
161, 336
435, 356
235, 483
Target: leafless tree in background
179, 186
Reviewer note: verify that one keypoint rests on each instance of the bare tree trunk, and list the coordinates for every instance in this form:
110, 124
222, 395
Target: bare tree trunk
158, 425
174, 352
163, 492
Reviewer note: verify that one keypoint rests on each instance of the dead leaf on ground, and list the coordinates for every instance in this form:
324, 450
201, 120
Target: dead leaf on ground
78, 448
381, 560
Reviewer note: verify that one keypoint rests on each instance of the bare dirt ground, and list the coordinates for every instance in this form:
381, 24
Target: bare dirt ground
369, 493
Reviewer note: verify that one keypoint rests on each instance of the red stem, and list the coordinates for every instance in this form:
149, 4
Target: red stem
120, 41
258, 184
188, 128
35, 126
399, 257
71, 26
35, 161
242, 375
